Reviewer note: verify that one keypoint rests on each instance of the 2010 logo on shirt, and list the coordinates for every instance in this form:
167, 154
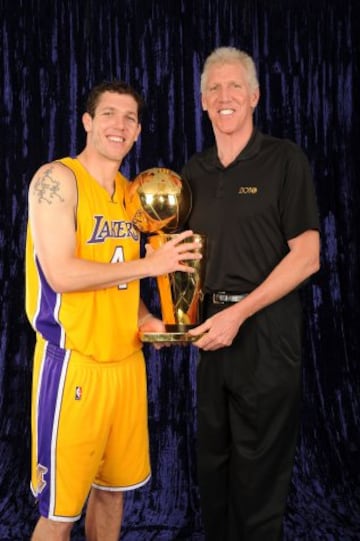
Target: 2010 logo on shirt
251, 190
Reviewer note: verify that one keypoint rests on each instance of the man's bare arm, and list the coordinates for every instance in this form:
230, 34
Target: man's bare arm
301, 262
52, 215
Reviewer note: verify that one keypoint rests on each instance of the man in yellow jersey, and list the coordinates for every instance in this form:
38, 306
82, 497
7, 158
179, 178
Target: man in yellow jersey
89, 406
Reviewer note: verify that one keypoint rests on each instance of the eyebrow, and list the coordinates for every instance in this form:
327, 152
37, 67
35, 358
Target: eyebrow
111, 108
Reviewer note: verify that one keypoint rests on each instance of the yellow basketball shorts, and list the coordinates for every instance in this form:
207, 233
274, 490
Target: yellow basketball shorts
89, 428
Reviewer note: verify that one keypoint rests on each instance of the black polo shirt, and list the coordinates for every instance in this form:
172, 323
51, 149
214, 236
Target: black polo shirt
249, 209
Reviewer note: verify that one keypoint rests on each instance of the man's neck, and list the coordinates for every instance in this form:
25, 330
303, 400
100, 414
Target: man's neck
102, 170
229, 146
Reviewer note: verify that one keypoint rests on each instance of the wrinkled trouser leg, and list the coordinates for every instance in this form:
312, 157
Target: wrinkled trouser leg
248, 413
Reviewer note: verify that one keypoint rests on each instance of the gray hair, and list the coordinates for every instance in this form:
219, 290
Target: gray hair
230, 55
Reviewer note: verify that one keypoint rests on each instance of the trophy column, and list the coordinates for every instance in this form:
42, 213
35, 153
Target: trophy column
181, 295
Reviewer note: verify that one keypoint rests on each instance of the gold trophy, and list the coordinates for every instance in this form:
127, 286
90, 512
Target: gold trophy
158, 202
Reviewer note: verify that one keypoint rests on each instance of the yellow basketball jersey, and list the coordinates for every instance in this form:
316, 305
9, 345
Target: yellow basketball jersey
99, 324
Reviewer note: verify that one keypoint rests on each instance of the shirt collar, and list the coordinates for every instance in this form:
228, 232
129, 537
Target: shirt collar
251, 149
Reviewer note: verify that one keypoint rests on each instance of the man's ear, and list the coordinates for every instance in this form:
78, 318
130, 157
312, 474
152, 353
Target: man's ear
87, 122
255, 98
203, 103
138, 133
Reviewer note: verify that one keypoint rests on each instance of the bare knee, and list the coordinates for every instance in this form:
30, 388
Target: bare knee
103, 515
50, 530
107, 497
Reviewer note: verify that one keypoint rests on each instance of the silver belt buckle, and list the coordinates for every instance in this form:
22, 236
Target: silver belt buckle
216, 297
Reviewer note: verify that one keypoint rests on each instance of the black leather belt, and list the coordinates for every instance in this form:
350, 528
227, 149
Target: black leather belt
222, 297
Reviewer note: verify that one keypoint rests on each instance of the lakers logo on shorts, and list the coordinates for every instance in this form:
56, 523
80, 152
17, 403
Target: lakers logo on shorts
41, 471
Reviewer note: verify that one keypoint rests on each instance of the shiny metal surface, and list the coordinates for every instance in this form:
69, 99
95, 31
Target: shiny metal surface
158, 199
171, 337
181, 293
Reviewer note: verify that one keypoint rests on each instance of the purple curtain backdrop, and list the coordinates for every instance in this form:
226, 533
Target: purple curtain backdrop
307, 55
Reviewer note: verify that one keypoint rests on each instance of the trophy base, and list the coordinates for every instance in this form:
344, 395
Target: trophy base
178, 337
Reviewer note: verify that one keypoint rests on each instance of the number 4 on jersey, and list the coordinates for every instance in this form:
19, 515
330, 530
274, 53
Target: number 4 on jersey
118, 257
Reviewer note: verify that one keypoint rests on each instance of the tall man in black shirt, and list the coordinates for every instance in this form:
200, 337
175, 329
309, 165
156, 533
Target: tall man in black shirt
253, 197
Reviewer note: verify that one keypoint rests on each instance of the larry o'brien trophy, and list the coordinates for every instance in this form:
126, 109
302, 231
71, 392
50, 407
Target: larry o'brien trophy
158, 202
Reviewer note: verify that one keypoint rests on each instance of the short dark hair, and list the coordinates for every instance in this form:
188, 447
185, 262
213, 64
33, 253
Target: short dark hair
119, 87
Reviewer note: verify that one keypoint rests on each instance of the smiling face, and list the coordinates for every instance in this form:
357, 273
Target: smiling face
229, 99
114, 127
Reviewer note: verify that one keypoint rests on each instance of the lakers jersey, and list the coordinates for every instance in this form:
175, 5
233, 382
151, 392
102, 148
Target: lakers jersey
99, 324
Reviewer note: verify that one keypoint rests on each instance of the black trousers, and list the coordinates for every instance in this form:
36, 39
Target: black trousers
248, 416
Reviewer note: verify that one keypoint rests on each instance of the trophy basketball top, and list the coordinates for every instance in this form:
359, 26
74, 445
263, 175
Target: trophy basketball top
158, 199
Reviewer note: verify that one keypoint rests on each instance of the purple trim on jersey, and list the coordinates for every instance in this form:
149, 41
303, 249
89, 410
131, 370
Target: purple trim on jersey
49, 401
46, 322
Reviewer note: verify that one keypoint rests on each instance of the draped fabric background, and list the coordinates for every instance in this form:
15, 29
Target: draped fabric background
307, 55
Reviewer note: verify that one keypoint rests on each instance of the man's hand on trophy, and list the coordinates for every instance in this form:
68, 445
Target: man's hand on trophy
154, 325
172, 255
217, 331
